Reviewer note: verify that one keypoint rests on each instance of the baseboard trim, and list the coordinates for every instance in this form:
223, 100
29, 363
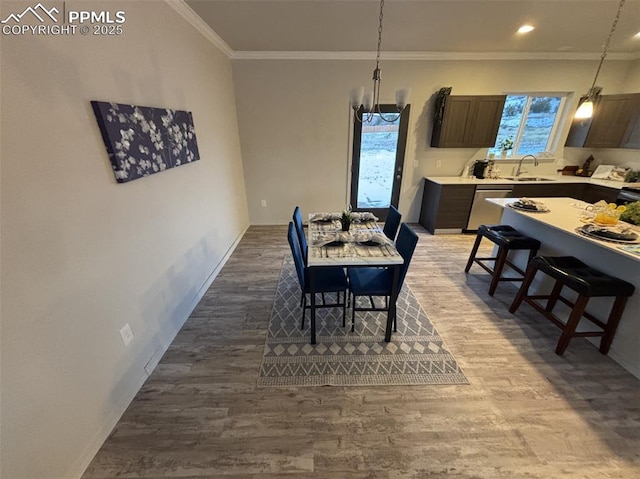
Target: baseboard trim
123, 403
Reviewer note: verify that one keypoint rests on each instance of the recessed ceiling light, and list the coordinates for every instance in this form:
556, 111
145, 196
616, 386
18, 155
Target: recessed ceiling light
526, 29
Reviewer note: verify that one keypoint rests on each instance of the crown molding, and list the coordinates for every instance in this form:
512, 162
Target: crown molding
427, 56
194, 19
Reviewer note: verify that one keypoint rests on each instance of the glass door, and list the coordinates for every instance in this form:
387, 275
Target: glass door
378, 161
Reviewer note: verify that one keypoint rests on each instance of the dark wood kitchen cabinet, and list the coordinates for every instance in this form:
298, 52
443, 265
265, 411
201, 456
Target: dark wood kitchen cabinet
445, 206
469, 121
632, 138
595, 193
612, 125
548, 190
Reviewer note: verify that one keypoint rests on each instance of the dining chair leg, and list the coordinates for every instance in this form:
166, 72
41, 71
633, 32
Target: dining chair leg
353, 312
344, 307
304, 309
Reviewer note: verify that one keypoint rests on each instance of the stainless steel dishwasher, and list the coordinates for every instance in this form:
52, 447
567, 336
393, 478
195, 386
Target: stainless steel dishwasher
483, 212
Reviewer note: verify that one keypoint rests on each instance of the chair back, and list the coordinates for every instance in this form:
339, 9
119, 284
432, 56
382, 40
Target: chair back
292, 236
297, 221
406, 245
391, 223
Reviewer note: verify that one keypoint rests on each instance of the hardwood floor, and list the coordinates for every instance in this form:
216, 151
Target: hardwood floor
526, 414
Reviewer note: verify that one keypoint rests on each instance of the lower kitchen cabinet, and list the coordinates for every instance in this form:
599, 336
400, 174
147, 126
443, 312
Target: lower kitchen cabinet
548, 190
445, 206
595, 193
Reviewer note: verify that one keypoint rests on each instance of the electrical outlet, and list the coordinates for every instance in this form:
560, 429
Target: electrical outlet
127, 334
263, 203
415, 163
438, 163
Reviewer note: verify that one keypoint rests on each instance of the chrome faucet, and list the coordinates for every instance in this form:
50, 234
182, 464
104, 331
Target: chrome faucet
519, 169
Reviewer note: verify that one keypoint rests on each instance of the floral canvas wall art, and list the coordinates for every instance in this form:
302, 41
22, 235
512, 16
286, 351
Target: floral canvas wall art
143, 140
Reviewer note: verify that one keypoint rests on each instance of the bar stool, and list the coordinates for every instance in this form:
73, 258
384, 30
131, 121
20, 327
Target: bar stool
507, 239
588, 283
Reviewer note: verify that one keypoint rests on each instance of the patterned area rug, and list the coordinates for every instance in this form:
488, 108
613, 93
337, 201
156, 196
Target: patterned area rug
415, 354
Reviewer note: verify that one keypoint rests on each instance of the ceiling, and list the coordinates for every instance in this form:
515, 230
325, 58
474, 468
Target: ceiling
485, 28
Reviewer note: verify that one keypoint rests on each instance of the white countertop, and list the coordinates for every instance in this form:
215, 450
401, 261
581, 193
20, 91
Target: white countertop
459, 180
564, 215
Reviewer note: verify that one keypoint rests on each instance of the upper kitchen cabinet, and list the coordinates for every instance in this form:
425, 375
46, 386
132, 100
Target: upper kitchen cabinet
632, 138
614, 124
468, 121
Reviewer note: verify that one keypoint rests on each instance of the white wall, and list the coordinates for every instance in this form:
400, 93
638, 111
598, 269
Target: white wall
632, 79
294, 121
81, 255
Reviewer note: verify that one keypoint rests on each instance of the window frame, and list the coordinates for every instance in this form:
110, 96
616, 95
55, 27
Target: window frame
557, 128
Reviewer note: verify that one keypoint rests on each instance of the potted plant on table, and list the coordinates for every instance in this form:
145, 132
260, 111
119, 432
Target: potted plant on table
505, 146
345, 219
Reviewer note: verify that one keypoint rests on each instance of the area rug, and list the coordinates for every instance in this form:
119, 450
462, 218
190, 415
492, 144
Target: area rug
415, 355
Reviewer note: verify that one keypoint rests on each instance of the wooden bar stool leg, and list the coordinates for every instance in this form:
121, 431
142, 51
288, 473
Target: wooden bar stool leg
572, 324
553, 298
498, 266
524, 287
612, 323
474, 251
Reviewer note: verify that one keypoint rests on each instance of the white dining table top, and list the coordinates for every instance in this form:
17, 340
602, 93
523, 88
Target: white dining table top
347, 251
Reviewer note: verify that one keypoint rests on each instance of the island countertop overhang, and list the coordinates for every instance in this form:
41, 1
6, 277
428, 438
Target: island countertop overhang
564, 215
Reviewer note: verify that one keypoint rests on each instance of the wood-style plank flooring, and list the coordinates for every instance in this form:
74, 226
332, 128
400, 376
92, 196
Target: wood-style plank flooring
526, 414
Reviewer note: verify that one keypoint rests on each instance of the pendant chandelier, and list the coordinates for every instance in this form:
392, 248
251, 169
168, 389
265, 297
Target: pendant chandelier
586, 107
367, 105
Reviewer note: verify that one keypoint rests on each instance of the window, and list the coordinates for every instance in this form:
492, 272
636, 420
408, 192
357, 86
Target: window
531, 122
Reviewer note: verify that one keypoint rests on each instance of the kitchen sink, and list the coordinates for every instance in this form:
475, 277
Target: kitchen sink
527, 178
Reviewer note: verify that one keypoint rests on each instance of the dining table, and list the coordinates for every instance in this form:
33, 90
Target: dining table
364, 245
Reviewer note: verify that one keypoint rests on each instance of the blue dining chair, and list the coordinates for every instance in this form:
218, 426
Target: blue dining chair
374, 281
392, 222
297, 222
327, 280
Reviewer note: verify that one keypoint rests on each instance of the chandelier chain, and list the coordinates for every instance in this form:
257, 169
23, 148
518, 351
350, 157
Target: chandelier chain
365, 112
379, 33
606, 44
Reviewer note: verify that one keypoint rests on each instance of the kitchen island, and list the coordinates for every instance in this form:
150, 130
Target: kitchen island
557, 230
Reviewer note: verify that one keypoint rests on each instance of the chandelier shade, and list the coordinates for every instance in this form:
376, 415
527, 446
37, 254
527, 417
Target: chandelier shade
366, 105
